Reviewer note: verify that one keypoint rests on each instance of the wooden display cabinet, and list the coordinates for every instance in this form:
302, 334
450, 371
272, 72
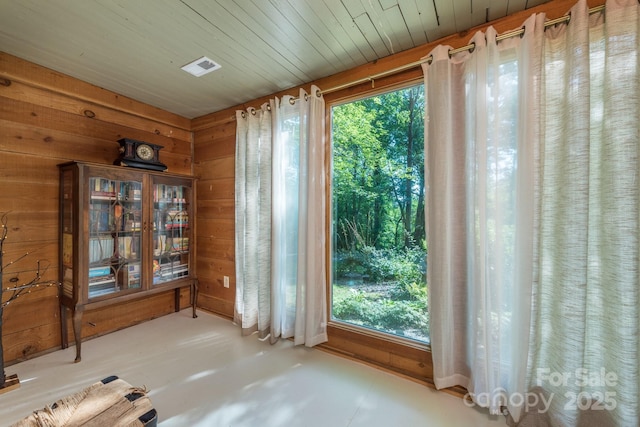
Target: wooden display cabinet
124, 234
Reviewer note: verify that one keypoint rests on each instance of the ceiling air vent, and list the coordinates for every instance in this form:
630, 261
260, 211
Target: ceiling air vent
201, 66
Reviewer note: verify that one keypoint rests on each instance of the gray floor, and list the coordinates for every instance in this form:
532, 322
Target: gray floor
200, 372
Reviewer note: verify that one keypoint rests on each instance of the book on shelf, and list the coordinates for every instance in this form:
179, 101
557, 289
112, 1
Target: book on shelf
99, 271
102, 189
178, 244
101, 280
160, 245
132, 225
100, 248
134, 193
175, 274
170, 267
103, 184
168, 193
100, 217
176, 219
130, 275
129, 246
104, 288
163, 272
177, 225
103, 195
106, 189
166, 277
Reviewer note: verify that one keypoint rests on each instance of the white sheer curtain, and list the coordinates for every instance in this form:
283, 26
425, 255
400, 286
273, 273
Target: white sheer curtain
533, 213
253, 220
298, 242
586, 311
289, 297
480, 143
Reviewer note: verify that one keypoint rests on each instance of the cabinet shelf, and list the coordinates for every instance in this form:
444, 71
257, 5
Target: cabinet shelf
124, 235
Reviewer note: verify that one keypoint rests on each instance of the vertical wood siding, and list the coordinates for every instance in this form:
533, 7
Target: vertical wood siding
47, 118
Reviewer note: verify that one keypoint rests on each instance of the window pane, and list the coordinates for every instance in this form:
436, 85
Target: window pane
379, 249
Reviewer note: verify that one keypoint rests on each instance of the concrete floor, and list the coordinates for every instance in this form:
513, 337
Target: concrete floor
201, 372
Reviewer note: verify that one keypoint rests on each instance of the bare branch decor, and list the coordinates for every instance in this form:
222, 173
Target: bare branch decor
16, 290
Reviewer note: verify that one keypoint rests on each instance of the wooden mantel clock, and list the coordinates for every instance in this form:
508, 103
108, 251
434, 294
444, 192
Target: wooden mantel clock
139, 154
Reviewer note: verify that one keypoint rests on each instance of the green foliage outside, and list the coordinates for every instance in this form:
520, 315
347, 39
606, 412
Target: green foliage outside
388, 293
379, 249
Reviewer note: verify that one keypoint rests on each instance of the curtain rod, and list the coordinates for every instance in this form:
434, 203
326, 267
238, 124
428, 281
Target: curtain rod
470, 46
514, 33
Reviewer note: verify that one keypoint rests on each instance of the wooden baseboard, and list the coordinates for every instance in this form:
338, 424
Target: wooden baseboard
11, 383
456, 391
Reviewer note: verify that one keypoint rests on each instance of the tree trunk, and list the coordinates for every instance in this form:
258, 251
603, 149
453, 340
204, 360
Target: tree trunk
408, 199
377, 207
419, 229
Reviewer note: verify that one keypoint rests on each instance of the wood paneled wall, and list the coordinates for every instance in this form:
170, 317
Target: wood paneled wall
214, 150
47, 118
214, 165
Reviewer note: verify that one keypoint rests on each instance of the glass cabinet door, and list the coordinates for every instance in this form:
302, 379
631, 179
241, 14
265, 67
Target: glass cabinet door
171, 232
115, 231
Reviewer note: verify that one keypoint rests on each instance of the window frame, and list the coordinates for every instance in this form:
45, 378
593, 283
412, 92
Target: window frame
380, 338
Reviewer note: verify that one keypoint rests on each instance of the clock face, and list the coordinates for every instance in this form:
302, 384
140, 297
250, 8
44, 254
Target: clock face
144, 152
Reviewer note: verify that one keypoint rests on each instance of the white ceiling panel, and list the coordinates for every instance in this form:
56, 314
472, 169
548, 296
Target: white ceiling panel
136, 48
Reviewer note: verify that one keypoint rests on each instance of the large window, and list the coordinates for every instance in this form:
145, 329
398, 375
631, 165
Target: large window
378, 248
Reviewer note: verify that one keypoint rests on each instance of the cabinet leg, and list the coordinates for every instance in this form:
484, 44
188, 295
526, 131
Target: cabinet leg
194, 297
77, 330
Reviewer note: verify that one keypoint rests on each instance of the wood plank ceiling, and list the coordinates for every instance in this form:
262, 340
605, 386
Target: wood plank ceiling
136, 48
